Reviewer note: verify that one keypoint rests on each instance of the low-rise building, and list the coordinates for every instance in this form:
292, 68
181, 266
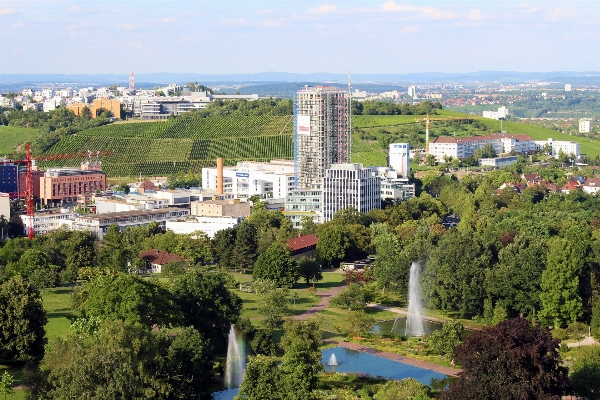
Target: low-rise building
208, 225
462, 147
558, 147
500, 114
248, 178
5, 206
99, 223
303, 246
63, 185
498, 162
48, 221
220, 208
156, 259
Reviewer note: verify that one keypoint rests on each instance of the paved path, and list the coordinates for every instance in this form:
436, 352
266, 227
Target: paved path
399, 311
406, 360
585, 342
325, 298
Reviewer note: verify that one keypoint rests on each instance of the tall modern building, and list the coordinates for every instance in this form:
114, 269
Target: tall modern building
399, 159
350, 185
322, 132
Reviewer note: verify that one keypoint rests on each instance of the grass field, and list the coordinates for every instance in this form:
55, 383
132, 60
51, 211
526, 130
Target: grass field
57, 303
12, 137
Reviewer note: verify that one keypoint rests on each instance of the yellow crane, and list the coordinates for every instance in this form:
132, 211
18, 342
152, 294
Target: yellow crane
428, 120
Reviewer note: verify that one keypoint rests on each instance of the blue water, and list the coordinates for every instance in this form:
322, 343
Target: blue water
359, 362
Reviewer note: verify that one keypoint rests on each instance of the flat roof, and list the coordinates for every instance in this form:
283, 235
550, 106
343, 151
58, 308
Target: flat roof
127, 214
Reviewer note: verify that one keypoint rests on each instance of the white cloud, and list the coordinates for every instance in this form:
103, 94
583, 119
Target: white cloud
529, 8
264, 12
392, 6
410, 29
7, 11
436, 13
476, 15
129, 27
559, 14
235, 22
168, 20
74, 9
18, 25
324, 9
270, 23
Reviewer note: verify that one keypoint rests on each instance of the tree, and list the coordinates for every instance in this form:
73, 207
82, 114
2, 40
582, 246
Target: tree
127, 361
276, 264
451, 335
307, 225
207, 305
585, 373
333, 242
512, 360
274, 306
128, 298
406, 389
359, 323
22, 320
387, 267
560, 300
595, 323
262, 379
224, 247
301, 363
354, 297
309, 269
6, 384
246, 245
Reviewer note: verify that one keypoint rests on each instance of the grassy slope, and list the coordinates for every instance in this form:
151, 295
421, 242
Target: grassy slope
13, 136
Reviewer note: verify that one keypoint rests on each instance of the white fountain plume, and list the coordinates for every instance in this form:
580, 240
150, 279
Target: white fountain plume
414, 323
332, 360
236, 358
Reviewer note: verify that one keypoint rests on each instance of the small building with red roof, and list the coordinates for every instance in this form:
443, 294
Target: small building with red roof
155, 259
303, 246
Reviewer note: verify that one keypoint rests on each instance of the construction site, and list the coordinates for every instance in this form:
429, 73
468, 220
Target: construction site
322, 132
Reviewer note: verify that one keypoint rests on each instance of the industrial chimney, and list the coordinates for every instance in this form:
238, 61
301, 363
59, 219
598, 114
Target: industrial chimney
219, 175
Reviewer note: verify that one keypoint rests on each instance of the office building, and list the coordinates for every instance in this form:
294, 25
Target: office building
63, 185
350, 185
399, 159
559, 146
568, 87
500, 114
220, 208
322, 132
9, 178
301, 203
5, 206
412, 91
585, 125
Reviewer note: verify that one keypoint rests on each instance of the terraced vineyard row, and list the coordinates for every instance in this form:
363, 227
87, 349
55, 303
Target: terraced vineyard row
198, 128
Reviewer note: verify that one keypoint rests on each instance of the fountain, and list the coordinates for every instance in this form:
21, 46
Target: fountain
236, 358
332, 360
414, 323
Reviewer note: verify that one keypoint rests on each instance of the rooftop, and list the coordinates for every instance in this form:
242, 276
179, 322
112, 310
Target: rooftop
303, 242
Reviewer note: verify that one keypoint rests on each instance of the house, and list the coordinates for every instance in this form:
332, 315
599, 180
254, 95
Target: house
146, 186
532, 178
572, 184
303, 246
591, 185
155, 259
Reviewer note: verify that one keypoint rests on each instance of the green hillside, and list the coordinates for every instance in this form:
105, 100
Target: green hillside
13, 137
183, 145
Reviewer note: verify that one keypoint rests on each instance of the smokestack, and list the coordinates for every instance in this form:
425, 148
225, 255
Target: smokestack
219, 175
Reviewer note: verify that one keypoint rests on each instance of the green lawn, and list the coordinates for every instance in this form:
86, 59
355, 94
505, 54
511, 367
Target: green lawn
13, 136
364, 121
57, 302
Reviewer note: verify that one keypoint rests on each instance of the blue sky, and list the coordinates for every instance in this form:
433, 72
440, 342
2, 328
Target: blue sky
222, 37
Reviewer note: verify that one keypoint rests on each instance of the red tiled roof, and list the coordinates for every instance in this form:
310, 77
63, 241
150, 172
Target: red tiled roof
159, 257
302, 242
147, 185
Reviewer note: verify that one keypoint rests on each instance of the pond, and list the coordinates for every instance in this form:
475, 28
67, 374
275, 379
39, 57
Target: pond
359, 362
385, 327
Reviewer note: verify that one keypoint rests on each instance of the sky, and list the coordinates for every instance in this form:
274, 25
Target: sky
234, 36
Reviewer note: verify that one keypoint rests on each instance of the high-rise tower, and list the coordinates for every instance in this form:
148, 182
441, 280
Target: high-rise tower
322, 132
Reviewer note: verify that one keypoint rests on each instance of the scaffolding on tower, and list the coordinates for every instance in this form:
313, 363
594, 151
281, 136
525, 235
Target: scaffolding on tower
131, 80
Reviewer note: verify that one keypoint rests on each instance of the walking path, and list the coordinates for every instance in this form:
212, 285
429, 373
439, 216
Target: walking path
585, 342
395, 357
399, 311
325, 299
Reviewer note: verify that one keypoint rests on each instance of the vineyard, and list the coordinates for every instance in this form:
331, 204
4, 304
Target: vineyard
183, 145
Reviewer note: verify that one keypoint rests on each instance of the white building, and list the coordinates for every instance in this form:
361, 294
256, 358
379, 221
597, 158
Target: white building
461, 147
399, 159
412, 91
350, 185
585, 125
558, 146
498, 162
500, 114
301, 203
393, 185
44, 222
130, 202
249, 178
208, 225
99, 223
5, 206
568, 87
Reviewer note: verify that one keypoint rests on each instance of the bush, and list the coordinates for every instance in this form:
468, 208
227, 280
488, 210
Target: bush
445, 340
560, 334
263, 343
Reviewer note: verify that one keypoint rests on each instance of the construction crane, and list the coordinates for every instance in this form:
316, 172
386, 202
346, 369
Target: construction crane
28, 162
428, 120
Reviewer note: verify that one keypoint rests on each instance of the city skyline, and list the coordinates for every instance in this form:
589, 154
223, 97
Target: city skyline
385, 37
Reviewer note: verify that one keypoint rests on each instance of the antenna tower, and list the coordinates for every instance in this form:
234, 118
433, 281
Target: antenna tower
131, 81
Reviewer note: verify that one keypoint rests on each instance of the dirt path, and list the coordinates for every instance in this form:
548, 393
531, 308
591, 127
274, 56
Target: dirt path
325, 299
406, 360
588, 341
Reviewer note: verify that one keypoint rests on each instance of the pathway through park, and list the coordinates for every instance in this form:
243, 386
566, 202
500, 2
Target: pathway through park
325, 299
